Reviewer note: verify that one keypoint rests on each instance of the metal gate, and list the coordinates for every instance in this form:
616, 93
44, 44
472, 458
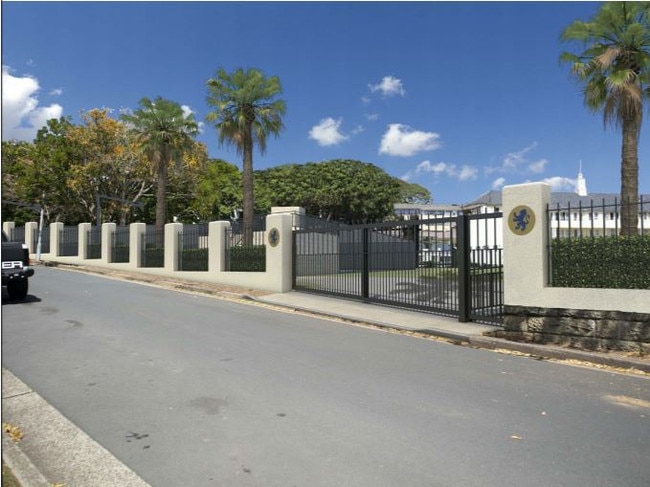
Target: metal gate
447, 266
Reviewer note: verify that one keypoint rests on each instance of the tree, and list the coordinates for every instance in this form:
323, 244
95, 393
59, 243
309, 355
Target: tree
413, 193
163, 132
246, 113
339, 190
614, 68
218, 191
110, 171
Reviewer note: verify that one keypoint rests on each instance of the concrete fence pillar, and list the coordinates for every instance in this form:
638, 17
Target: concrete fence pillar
217, 232
31, 236
279, 250
8, 227
56, 229
136, 231
525, 242
108, 229
172, 230
84, 229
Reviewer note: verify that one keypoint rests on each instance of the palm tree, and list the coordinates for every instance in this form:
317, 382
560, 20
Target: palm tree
164, 132
615, 70
246, 112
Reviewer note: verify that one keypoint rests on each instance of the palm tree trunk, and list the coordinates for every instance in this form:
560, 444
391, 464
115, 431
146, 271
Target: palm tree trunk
247, 189
161, 199
629, 177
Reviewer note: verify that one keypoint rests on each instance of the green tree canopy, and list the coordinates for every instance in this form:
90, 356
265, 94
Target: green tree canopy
341, 189
614, 69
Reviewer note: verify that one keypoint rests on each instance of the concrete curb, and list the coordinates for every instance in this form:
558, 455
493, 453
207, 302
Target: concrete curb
53, 447
20, 464
560, 353
489, 343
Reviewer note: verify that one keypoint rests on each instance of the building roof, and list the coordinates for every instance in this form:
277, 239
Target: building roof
493, 198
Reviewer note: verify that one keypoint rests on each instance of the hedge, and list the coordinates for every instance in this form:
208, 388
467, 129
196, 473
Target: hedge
248, 259
601, 262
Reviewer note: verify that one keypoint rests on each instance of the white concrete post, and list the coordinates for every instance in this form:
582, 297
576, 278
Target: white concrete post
84, 228
525, 241
108, 229
55, 232
31, 236
279, 250
217, 246
171, 246
136, 231
8, 227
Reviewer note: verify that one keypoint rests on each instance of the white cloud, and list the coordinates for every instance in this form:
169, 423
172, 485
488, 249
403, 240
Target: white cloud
187, 111
498, 183
56, 92
389, 86
327, 132
559, 183
402, 140
372, 116
21, 115
538, 167
466, 172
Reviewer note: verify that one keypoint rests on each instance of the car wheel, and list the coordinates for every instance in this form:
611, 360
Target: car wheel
18, 290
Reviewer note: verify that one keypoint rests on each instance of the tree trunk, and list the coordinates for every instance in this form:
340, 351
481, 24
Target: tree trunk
247, 189
630, 177
161, 200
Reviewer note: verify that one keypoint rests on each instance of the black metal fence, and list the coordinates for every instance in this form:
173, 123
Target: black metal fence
94, 242
120, 244
45, 241
586, 247
69, 241
242, 256
193, 248
153, 247
17, 234
447, 266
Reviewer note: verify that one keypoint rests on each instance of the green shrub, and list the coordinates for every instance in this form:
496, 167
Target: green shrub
194, 260
154, 257
248, 259
601, 262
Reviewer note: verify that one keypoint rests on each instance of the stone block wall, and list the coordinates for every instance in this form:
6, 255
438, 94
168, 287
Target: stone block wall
583, 329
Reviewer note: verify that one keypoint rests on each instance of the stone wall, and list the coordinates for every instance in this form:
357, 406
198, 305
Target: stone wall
584, 329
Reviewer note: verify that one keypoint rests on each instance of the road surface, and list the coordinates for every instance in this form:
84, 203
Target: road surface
189, 390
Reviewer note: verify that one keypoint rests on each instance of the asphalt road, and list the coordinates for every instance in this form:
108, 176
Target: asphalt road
189, 390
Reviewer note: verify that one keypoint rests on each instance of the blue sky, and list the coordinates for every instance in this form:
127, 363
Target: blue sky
459, 97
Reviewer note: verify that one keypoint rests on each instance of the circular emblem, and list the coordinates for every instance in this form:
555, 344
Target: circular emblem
521, 220
274, 237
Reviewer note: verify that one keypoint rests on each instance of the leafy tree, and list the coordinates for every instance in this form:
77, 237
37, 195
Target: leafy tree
413, 193
218, 191
185, 179
614, 68
341, 189
246, 113
47, 174
110, 172
16, 157
163, 132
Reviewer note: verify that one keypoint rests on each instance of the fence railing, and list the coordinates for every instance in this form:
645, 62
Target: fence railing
193, 248
153, 247
69, 241
587, 249
95, 243
120, 245
242, 256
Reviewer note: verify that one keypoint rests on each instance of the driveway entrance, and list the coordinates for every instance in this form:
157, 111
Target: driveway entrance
446, 266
